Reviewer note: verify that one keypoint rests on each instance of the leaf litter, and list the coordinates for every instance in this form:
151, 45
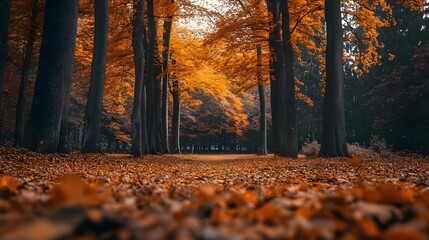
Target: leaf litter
103, 196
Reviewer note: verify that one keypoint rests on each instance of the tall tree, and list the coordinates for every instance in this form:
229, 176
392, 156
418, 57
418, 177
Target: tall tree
26, 67
262, 105
279, 84
334, 141
168, 23
54, 76
291, 136
152, 78
94, 104
4, 32
138, 128
175, 125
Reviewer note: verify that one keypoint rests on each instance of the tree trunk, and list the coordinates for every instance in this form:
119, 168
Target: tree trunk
151, 81
26, 67
158, 114
168, 23
137, 144
334, 142
94, 104
175, 131
4, 30
54, 76
262, 106
291, 136
278, 87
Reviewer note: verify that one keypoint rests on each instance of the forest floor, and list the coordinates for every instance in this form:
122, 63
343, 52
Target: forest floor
103, 196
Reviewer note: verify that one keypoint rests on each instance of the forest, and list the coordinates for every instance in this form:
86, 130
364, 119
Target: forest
214, 119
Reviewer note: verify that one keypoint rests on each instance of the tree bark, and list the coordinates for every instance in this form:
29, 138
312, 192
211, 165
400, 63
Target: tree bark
138, 143
168, 23
54, 77
334, 142
26, 67
278, 87
151, 81
4, 33
291, 136
175, 128
262, 106
94, 104
158, 114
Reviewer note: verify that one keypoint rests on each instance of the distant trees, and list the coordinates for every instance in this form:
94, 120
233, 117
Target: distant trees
54, 77
210, 87
31, 37
94, 104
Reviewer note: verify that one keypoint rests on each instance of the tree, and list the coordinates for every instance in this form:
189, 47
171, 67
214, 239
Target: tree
4, 32
139, 132
152, 81
175, 125
334, 141
290, 111
54, 77
26, 67
262, 106
94, 104
168, 23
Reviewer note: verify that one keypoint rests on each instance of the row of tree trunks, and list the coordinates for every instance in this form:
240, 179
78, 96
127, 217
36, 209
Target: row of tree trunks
54, 76
4, 30
26, 67
283, 102
94, 104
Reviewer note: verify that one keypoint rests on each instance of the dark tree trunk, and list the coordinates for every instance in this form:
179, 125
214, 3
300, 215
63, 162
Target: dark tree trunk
334, 142
138, 144
152, 79
158, 114
94, 104
4, 30
175, 128
54, 76
278, 87
262, 107
26, 67
291, 136
168, 23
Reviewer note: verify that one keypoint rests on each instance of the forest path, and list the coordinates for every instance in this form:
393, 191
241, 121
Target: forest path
218, 157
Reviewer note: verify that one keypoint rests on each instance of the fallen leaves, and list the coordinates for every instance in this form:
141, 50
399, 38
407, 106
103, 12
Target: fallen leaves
163, 197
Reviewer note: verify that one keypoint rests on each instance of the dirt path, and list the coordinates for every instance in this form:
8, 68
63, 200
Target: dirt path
218, 157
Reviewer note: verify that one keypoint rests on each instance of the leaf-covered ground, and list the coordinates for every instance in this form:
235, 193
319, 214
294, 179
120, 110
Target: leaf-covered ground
53, 196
